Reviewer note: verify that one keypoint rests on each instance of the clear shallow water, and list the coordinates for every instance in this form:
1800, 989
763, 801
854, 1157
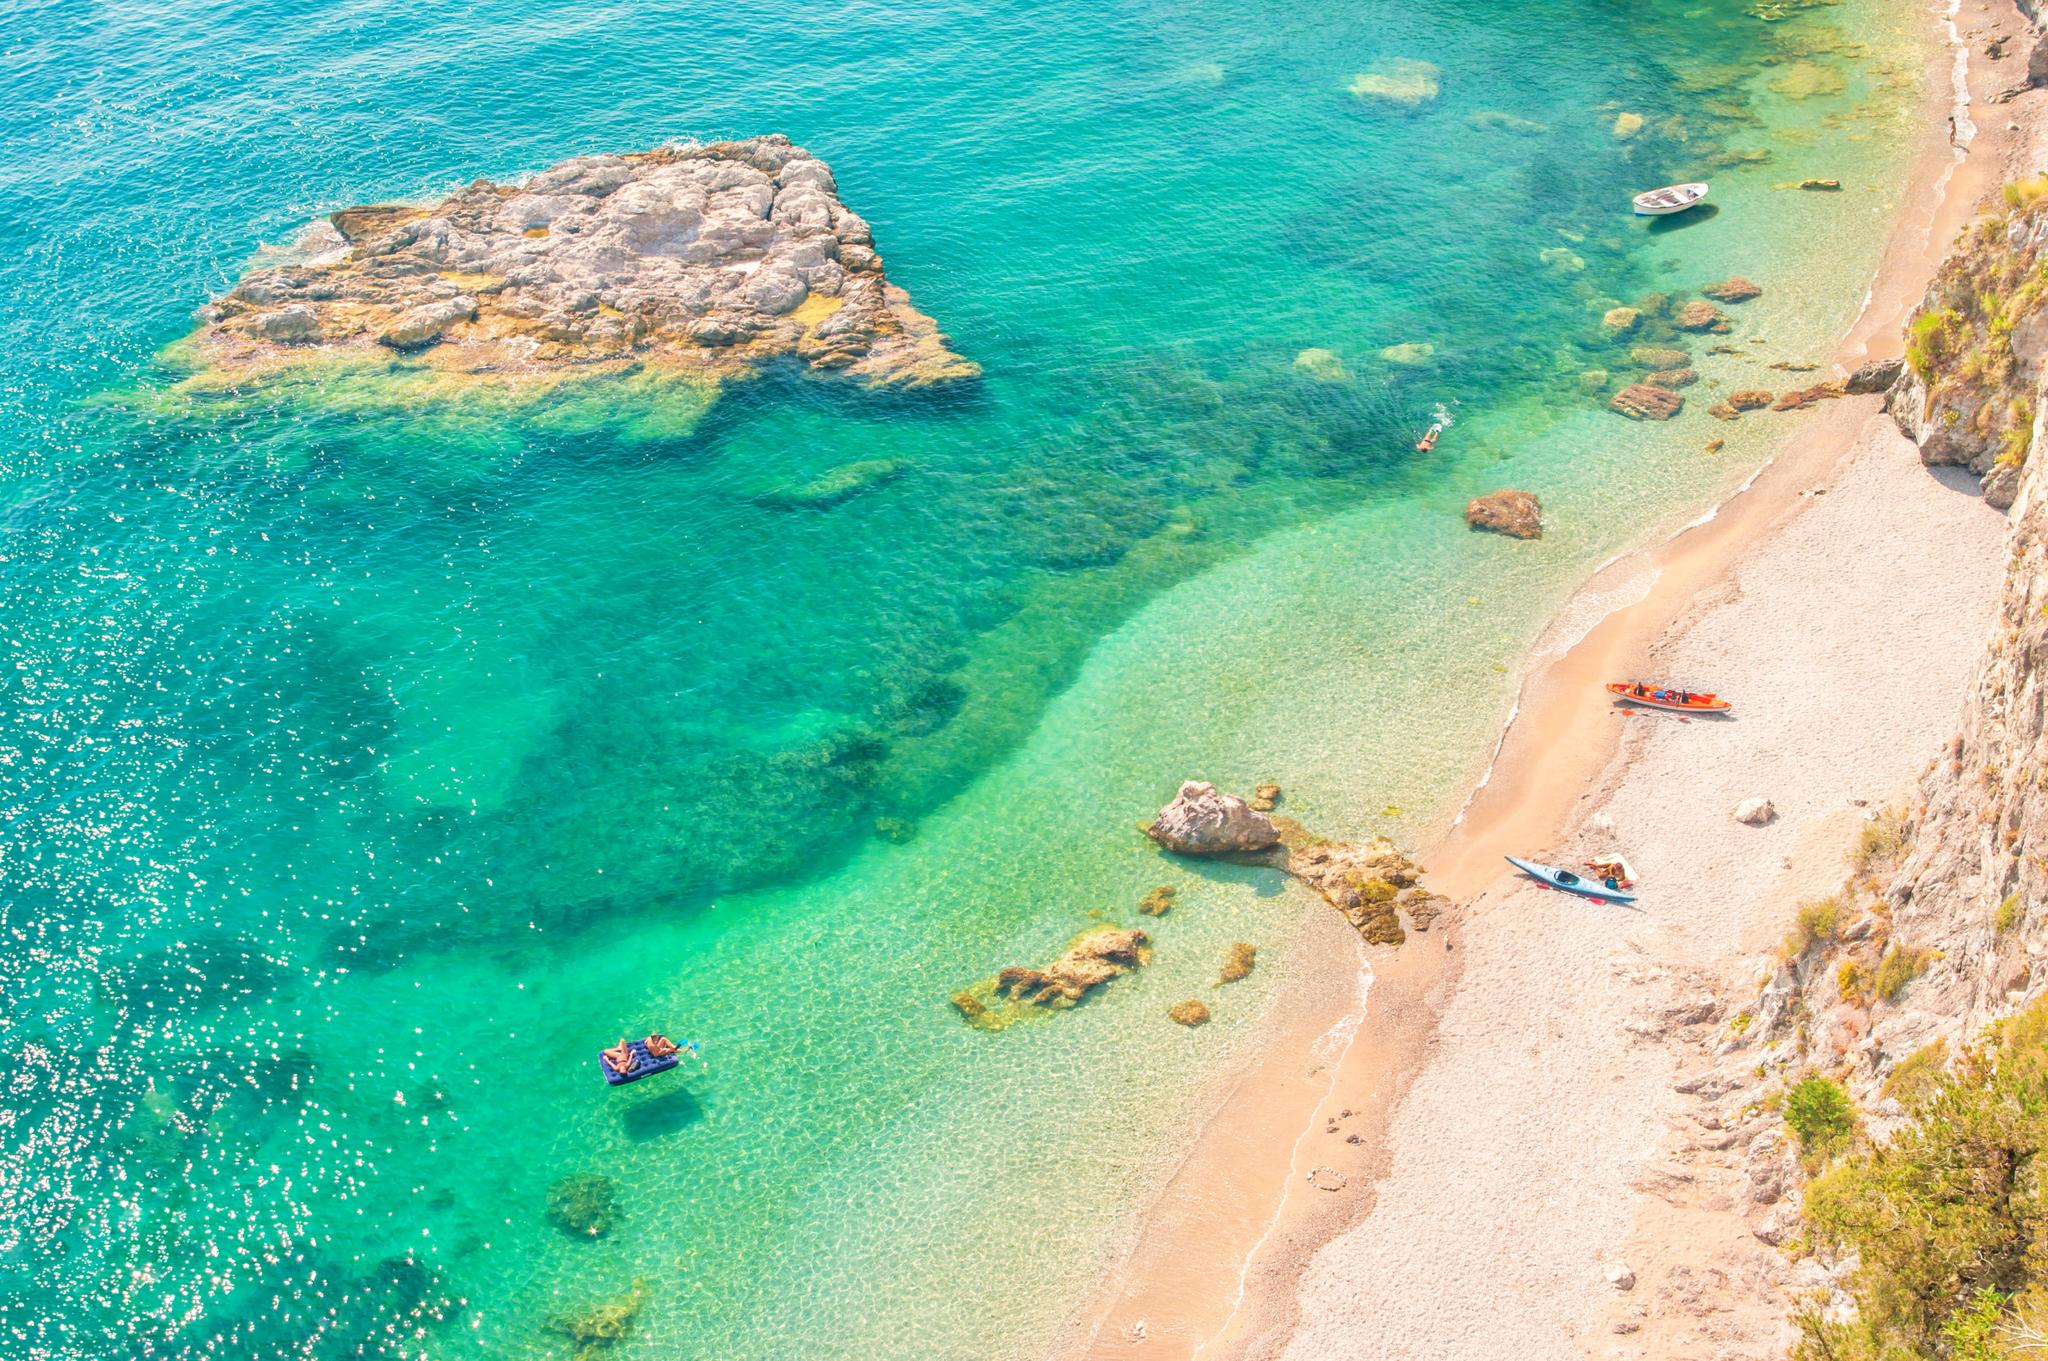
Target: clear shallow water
368, 766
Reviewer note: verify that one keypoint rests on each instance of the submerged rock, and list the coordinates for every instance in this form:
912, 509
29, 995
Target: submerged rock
1398, 80
1641, 402
1621, 320
709, 259
834, 485
1800, 398
1237, 962
1189, 1013
1322, 365
596, 1329
1409, 354
1749, 399
1733, 290
1701, 316
1659, 357
1264, 797
1202, 821
1159, 901
1672, 378
1090, 960
1627, 125
1517, 514
583, 1205
1494, 120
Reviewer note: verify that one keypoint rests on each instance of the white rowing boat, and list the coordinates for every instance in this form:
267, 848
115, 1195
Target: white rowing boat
1672, 198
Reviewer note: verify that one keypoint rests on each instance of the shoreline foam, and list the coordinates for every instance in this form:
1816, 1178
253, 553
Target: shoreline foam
1166, 1282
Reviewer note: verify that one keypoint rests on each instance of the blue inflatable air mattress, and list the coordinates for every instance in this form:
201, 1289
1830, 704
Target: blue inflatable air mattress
644, 1065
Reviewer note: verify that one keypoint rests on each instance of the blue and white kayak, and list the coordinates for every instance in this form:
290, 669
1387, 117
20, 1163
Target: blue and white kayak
1554, 877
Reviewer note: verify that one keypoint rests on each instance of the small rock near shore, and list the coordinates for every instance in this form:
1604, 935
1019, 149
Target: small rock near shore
1517, 514
1619, 1275
1237, 962
1189, 1013
1641, 402
1755, 812
1203, 821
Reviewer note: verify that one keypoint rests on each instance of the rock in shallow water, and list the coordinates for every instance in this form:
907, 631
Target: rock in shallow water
1203, 821
711, 260
1641, 402
1515, 513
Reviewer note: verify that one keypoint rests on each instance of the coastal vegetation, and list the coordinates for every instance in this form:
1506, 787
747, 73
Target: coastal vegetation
1946, 1220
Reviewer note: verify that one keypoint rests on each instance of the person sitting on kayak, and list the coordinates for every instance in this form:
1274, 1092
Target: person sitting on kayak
1641, 690
622, 1059
660, 1046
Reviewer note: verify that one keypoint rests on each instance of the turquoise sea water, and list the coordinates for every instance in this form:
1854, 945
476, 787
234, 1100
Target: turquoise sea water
369, 761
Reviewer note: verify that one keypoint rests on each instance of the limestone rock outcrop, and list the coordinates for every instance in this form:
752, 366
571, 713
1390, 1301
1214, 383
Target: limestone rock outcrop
1201, 820
708, 259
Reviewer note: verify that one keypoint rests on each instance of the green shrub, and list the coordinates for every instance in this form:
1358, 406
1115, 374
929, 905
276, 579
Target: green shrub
1948, 1222
1852, 980
1813, 924
1901, 965
2008, 914
1916, 1073
1931, 340
1818, 1111
1882, 841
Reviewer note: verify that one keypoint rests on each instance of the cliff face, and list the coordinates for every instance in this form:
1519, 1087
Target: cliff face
1943, 922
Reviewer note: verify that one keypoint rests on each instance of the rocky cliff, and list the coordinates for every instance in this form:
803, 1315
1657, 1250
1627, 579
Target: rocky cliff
707, 259
1939, 926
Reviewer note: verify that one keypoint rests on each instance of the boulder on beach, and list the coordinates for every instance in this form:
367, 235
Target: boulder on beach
1733, 290
1641, 402
1203, 821
1517, 514
1322, 365
1755, 812
1398, 80
1189, 1013
1874, 375
1701, 316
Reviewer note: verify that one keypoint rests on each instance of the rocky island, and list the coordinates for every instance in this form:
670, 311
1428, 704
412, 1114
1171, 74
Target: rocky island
708, 260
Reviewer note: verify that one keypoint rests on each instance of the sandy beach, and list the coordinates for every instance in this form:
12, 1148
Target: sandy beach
1502, 1119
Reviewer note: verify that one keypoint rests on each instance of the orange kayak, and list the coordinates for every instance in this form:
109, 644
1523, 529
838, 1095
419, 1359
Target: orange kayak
1657, 697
